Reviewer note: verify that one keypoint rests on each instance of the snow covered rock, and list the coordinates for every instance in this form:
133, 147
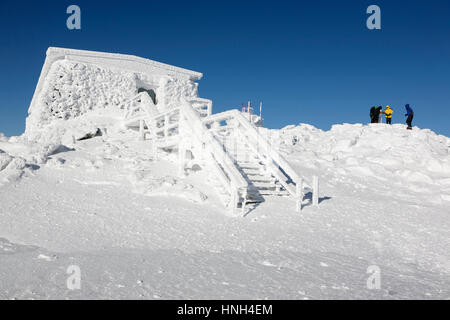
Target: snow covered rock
41, 153
11, 168
3, 138
5, 160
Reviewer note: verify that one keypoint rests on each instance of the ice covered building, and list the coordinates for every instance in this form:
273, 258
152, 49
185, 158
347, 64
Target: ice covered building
75, 82
160, 103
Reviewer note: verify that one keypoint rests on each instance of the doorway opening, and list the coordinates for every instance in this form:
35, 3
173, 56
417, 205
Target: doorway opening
150, 92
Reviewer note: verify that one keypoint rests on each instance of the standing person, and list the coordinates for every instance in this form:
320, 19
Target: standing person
375, 114
410, 116
378, 114
388, 112
372, 114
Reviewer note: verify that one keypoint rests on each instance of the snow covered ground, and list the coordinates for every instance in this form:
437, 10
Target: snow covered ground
139, 231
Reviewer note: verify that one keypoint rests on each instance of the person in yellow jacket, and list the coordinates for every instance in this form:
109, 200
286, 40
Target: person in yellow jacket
388, 112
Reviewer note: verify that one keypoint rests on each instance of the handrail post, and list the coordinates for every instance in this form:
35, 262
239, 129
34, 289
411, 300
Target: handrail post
209, 110
141, 130
244, 202
181, 158
315, 197
154, 139
166, 126
299, 195
233, 200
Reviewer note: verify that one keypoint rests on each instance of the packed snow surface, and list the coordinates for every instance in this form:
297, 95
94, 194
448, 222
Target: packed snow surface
138, 230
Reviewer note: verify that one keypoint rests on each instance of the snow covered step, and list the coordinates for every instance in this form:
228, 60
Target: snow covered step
255, 175
260, 178
243, 157
252, 171
282, 193
249, 165
259, 199
264, 185
254, 197
239, 149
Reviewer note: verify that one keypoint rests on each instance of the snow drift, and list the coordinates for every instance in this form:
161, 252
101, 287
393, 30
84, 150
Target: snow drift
419, 159
385, 196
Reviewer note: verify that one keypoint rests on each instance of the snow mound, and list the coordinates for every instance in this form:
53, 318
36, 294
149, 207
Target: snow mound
145, 183
19, 157
11, 168
3, 138
377, 151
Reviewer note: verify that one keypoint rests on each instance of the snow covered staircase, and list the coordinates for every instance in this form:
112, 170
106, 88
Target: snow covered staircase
264, 168
261, 182
244, 166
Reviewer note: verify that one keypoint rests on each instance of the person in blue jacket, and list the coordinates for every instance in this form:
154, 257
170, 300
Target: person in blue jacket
410, 115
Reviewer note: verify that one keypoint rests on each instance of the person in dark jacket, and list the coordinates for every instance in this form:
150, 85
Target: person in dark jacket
410, 115
372, 113
375, 114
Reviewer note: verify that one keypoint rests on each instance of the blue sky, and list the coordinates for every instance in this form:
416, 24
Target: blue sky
308, 61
